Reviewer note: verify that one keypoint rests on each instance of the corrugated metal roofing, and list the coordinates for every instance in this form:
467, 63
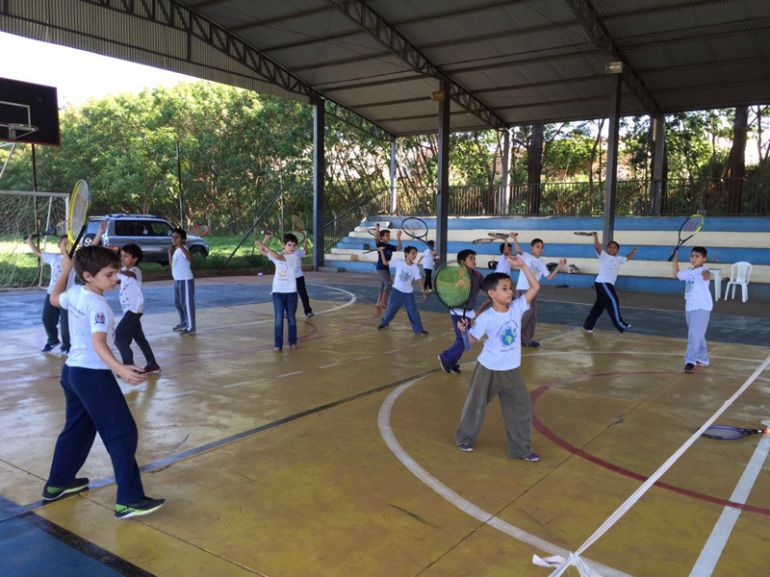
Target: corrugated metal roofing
522, 61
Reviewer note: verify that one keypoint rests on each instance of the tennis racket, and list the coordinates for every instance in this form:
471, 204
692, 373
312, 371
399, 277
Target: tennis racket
78, 216
491, 237
199, 229
453, 284
726, 433
583, 233
299, 229
689, 229
414, 227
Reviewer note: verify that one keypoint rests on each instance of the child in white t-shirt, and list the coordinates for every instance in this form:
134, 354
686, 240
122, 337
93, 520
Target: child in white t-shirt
402, 294
132, 302
284, 289
301, 286
428, 260
698, 306
180, 259
53, 315
503, 266
604, 284
497, 370
95, 403
539, 269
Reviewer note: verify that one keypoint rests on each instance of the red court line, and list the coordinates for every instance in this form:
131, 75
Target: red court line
563, 443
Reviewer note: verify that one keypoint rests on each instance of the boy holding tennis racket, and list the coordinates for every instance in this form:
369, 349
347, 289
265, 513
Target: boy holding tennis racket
300, 275
449, 360
698, 306
184, 282
503, 266
53, 315
95, 403
604, 284
402, 294
539, 269
284, 291
385, 252
497, 369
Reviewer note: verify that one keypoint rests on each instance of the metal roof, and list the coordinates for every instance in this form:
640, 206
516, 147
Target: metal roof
508, 62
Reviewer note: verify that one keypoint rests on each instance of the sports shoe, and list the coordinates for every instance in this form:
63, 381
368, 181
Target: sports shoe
590, 331
185, 332
381, 326
532, 458
533, 344
422, 332
444, 367
627, 326
64, 351
309, 315
51, 493
49, 347
151, 368
455, 370
143, 507
179, 328
701, 363
465, 447
689, 368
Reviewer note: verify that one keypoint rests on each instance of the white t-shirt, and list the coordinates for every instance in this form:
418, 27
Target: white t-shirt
285, 280
536, 265
300, 255
405, 275
131, 297
54, 261
608, 267
88, 313
181, 268
503, 265
427, 259
502, 349
697, 296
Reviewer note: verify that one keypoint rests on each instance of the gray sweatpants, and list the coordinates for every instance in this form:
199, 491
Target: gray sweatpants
528, 320
184, 300
514, 401
697, 349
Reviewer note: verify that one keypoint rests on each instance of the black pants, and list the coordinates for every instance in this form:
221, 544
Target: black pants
51, 316
302, 290
428, 278
130, 329
606, 298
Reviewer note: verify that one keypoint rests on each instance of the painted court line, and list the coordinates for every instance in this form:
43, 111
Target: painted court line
383, 422
328, 365
289, 374
712, 550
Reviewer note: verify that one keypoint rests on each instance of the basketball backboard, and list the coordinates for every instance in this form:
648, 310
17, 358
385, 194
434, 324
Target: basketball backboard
28, 113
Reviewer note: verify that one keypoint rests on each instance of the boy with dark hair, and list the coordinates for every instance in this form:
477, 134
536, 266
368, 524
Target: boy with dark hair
53, 315
95, 403
503, 265
284, 289
604, 284
428, 260
132, 302
698, 306
180, 259
385, 252
449, 360
539, 269
407, 273
497, 370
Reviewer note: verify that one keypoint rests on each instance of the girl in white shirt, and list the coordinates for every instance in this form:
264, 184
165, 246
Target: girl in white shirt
698, 305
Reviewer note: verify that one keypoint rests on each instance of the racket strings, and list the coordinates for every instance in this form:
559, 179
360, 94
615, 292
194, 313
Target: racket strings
453, 286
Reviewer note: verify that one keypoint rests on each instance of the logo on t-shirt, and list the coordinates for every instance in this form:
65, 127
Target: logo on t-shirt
689, 286
508, 336
99, 319
404, 276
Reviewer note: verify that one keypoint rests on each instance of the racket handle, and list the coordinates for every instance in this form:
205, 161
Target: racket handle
671, 256
466, 341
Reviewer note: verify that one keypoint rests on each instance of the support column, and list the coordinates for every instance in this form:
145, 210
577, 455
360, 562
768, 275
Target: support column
393, 160
658, 162
442, 200
611, 184
319, 170
505, 193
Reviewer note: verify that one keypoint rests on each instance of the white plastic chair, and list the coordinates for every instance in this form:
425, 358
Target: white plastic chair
739, 276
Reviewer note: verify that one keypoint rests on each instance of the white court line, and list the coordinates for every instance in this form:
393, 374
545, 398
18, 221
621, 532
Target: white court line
383, 422
712, 550
182, 394
231, 385
329, 365
289, 374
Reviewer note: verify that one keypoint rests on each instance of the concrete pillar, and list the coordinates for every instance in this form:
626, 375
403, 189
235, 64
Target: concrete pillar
611, 184
393, 161
505, 193
658, 162
442, 201
319, 169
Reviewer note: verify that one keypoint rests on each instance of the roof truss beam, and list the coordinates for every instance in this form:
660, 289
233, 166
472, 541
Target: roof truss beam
396, 43
599, 36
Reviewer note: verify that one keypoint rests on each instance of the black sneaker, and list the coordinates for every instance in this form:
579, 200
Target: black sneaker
49, 347
185, 332
455, 370
444, 367
532, 458
143, 507
309, 315
381, 326
151, 368
465, 447
422, 332
179, 327
689, 368
51, 493
64, 351
533, 344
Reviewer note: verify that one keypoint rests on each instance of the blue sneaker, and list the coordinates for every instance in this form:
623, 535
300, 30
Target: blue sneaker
51, 493
532, 458
49, 347
143, 507
465, 447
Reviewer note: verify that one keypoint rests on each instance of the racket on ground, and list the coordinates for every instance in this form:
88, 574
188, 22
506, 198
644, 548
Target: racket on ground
78, 215
689, 229
453, 283
414, 227
726, 433
583, 233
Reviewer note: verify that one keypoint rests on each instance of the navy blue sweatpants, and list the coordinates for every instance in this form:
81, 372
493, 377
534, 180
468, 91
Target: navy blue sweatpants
95, 403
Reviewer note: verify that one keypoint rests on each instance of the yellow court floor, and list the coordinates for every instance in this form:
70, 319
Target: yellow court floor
338, 459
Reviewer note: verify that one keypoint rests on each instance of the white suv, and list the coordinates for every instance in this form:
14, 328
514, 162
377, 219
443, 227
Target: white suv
150, 232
